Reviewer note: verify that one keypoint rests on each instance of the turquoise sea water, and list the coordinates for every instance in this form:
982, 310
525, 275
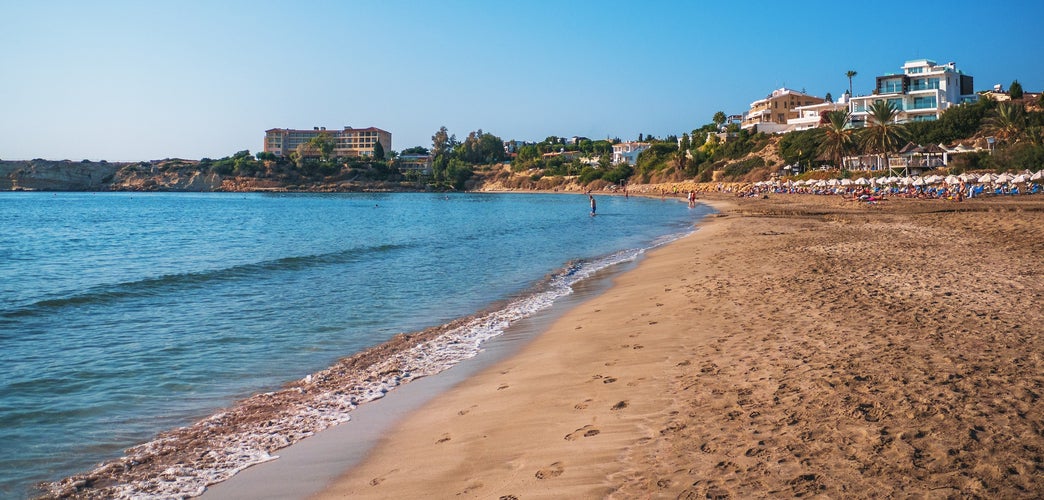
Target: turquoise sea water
126, 314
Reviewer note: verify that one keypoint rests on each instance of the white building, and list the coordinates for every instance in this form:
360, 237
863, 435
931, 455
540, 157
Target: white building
922, 92
628, 152
812, 116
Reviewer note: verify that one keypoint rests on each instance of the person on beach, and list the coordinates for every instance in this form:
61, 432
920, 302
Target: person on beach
593, 207
692, 199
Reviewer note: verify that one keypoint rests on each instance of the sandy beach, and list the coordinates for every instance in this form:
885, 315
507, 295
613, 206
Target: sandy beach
793, 346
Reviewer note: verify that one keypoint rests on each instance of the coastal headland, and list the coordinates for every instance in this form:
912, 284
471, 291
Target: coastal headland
794, 346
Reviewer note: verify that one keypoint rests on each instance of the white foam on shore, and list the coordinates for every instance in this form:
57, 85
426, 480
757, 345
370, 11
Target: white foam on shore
230, 452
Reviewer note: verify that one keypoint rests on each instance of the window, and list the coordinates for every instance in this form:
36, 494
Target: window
896, 103
891, 86
926, 102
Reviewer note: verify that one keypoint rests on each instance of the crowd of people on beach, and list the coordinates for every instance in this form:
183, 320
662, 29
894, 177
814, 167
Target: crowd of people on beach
872, 190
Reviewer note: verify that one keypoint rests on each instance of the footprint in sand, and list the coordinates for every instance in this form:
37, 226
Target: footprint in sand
553, 470
582, 406
585, 431
508, 497
443, 439
502, 387
380, 479
619, 406
609, 380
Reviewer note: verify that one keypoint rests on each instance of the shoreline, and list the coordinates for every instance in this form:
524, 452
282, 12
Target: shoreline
791, 346
304, 468
255, 430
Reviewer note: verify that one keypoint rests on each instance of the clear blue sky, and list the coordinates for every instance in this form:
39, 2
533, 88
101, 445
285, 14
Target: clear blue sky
141, 80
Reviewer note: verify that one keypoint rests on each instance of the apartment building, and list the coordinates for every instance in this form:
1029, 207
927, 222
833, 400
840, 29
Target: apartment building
921, 92
771, 113
347, 142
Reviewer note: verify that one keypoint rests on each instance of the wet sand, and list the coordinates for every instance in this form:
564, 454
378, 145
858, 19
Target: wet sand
793, 346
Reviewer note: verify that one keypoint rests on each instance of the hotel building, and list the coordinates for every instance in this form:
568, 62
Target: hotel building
922, 92
347, 142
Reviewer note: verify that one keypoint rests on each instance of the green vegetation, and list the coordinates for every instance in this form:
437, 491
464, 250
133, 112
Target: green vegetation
882, 135
454, 162
1015, 90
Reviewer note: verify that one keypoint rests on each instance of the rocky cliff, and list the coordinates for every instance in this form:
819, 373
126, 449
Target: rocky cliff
45, 175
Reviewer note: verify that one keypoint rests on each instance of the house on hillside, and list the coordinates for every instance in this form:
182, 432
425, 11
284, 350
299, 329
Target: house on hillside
770, 114
923, 91
814, 115
627, 152
414, 163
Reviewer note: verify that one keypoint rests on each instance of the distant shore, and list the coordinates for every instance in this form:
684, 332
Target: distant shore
794, 345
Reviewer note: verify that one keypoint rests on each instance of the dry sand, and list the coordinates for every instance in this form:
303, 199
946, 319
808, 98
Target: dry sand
794, 346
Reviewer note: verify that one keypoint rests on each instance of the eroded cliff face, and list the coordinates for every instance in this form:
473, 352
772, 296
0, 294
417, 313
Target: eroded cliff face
44, 175
136, 177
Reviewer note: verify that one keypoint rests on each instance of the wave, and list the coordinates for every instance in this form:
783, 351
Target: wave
173, 283
216, 448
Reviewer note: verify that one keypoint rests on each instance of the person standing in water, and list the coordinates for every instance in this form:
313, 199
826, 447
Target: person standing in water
592, 205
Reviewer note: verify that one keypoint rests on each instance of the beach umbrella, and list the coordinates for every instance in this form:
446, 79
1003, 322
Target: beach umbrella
821, 183
933, 179
862, 181
952, 179
846, 182
832, 182
1003, 178
969, 177
1018, 179
985, 178
1037, 176
918, 181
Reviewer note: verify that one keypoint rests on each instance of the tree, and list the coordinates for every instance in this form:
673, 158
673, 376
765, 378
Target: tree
415, 150
838, 137
1006, 123
686, 143
719, 119
440, 142
322, 143
829, 98
1015, 90
882, 135
850, 73
378, 151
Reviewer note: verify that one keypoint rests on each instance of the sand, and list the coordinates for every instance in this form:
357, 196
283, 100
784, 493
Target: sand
793, 346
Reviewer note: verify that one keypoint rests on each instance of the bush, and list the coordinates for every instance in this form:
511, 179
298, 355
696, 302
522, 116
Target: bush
742, 167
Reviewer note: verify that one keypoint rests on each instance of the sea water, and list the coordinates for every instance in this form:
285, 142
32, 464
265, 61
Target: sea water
126, 314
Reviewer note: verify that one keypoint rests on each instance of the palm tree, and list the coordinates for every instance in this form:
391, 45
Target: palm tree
838, 138
1007, 122
850, 73
882, 135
